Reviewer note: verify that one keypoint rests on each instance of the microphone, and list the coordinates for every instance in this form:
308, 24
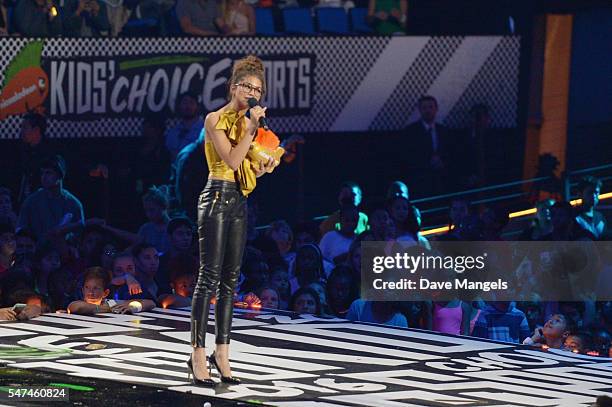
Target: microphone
262, 120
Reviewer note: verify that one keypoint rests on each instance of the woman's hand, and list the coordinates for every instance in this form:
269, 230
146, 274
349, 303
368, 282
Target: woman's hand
268, 167
256, 113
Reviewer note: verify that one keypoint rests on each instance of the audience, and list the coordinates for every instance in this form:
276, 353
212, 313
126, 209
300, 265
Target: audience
238, 18
589, 219
350, 195
199, 17
52, 206
85, 18
8, 247
335, 244
305, 301
37, 18
6, 207
187, 109
388, 16
155, 203
430, 150
58, 260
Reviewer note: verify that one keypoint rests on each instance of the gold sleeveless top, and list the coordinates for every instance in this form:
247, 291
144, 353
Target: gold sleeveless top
232, 124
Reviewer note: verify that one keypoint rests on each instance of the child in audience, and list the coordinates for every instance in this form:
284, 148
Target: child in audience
279, 280
305, 301
501, 321
269, 297
379, 312
95, 290
553, 334
182, 282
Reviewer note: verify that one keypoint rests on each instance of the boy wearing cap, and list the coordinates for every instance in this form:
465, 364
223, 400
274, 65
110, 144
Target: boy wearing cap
52, 205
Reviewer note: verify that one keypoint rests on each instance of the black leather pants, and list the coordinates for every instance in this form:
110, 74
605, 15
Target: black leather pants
222, 227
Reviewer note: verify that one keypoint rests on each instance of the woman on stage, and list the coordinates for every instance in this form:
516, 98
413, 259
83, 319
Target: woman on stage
222, 215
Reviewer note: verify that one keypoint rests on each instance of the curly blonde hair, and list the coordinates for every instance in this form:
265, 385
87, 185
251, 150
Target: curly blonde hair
248, 66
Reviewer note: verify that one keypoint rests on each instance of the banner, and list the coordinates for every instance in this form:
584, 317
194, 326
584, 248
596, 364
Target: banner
103, 87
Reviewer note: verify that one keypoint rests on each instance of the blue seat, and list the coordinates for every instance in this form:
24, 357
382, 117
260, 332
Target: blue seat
298, 21
332, 20
264, 21
358, 20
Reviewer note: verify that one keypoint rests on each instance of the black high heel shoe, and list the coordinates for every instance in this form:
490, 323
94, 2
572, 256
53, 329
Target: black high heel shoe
195, 380
225, 379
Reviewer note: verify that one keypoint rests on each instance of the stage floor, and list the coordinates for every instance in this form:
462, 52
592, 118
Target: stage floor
288, 360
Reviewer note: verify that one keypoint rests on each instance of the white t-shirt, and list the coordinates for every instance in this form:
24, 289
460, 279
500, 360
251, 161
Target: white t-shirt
334, 244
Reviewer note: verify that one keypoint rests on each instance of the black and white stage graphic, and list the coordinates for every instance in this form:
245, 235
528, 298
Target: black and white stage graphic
291, 360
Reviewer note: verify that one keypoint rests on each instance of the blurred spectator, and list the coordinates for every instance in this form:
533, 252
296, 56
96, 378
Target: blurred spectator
199, 17
190, 175
85, 18
590, 220
256, 273
542, 223
269, 297
341, 291
409, 228
124, 284
188, 129
305, 301
8, 246
34, 150
118, 14
37, 18
501, 321
382, 227
388, 16
335, 244
398, 189
6, 207
346, 4
350, 194
152, 161
479, 152
182, 282
281, 233
306, 233
4, 20
155, 203
26, 246
47, 261
578, 342
551, 187
146, 260
146, 17
238, 18
308, 267
51, 206
180, 235
458, 213
494, 220
450, 317
279, 280
319, 288
564, 226
378, 312
429, 149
